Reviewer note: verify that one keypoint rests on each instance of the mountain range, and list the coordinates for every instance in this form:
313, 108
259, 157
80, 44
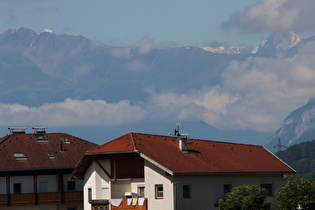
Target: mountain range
39, 68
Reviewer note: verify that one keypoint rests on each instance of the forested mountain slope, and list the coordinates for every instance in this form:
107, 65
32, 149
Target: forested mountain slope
301, 157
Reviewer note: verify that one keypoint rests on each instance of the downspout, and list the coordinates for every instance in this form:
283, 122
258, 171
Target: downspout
175, 194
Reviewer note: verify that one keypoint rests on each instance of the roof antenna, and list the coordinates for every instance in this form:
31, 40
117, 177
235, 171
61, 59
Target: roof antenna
279, 145
176, 130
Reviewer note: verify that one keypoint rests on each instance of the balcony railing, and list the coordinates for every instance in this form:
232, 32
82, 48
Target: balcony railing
125, 205
29, 199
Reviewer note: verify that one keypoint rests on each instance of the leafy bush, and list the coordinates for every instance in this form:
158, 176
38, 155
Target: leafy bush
244, 198
297, 191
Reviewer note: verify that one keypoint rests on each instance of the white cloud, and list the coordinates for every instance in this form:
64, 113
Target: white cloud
72, 112
257, 94
272, 16
143, 46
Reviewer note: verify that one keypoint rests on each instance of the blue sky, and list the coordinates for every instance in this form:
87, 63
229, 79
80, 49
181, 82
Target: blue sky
123, 22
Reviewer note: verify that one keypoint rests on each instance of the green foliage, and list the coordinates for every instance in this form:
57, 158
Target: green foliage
297, 191
301, 157
244, 198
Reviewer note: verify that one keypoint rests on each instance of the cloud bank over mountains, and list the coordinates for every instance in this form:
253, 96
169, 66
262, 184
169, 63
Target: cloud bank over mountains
254, 93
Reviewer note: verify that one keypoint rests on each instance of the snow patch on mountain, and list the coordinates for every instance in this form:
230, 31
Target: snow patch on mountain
278, 43
226, 50
47, 30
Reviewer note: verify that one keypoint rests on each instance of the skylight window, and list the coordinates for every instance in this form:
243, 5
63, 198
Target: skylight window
41, 137
65, 139
51, 156
19, 155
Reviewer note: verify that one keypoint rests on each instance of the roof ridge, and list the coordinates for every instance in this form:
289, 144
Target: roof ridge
196, 139
133, 141
3, 139
223, 142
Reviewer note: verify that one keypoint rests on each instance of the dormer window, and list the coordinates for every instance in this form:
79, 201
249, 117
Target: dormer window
19, 156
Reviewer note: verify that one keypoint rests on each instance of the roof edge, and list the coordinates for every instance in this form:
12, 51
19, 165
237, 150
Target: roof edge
231, 173
280, 160
156, 163
110, 153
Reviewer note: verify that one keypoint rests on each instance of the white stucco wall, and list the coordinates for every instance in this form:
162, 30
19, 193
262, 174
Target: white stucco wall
97, 180
153, 176
27, 185
51, 182
207, 190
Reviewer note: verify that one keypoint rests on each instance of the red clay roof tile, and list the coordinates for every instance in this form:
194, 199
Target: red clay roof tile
204, 156
43, 154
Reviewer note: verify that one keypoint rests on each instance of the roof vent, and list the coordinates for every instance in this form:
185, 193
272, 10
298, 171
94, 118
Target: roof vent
17, 130
39, 129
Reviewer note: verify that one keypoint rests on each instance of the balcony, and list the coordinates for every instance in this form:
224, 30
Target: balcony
30, 199
125, 204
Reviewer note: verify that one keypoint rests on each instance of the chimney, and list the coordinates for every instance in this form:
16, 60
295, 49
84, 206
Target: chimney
39, 129
182, 141
17, 130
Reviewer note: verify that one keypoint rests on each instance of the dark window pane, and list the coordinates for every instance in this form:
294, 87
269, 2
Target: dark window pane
186, 191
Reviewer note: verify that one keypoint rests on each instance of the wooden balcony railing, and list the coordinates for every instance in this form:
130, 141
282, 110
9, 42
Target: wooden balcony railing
129, 206
29, 199
3, 200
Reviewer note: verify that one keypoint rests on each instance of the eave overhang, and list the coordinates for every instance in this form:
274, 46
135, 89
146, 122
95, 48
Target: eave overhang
78, 172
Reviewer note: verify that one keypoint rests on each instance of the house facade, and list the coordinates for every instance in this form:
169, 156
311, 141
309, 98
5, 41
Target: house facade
35, 169
144, 171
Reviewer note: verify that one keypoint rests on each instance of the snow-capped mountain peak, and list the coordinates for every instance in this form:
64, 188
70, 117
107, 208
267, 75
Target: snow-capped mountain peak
278, 42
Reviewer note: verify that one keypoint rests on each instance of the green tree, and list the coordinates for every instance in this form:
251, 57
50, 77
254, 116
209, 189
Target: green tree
297, 191
244, 198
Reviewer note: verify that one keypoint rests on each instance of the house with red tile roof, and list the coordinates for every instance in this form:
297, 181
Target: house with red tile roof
154, 172
35, 169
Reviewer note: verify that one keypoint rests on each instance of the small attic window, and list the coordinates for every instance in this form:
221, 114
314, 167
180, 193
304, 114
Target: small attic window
41, 138
19, 155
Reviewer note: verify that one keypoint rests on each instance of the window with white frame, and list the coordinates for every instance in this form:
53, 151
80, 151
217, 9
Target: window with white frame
159, 193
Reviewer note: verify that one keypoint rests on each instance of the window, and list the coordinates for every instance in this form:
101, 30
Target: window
17, 188
65, 139
50, 156
141, 191
90, 194
158, 191
41, 137
19, 155
71, 185
43, 186
268, 187
186, 191
227, 188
